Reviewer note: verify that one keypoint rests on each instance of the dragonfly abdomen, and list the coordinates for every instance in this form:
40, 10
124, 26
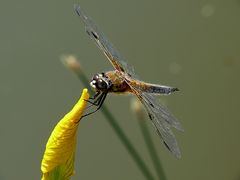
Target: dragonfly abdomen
159, 89
154, 88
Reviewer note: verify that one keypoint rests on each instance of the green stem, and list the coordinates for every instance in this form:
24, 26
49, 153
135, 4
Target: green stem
120, 133
151, 149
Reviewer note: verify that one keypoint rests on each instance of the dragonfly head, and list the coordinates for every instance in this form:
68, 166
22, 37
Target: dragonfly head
100, 82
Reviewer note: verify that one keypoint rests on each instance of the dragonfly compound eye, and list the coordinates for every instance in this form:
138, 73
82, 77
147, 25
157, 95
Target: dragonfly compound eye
102, 84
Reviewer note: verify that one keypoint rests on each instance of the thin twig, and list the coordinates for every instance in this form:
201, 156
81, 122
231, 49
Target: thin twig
151, 149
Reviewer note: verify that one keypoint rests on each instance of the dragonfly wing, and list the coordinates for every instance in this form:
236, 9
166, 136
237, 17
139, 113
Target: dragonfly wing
162, 112
149, 92
103, 43
162, 120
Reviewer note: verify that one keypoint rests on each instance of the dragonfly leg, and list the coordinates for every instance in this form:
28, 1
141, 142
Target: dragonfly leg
95, 95
95, 99
98, 103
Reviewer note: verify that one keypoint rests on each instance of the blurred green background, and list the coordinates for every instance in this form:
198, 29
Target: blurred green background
193, 45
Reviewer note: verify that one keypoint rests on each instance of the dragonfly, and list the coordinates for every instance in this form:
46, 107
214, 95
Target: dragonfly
123, 80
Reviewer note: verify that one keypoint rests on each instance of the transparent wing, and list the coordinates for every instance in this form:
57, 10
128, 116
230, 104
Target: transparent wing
161, 119
161, 111
104, 44
148, 92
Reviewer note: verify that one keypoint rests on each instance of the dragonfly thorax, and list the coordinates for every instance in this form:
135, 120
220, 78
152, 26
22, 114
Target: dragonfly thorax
100, 82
